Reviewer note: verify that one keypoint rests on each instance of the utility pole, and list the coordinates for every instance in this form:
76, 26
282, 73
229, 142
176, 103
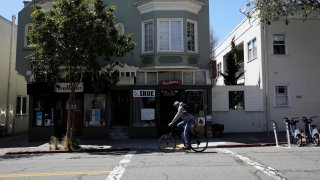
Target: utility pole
9, 75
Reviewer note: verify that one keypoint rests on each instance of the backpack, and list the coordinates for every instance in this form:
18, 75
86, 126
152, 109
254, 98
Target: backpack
188, 108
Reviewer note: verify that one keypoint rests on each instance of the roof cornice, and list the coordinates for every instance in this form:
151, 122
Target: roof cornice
145, 6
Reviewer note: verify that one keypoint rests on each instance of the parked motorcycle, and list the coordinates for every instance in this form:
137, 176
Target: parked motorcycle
311, 131
295, 134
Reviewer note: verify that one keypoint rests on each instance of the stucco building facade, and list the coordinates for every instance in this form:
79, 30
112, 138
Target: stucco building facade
281, 79
169, 63
13, 98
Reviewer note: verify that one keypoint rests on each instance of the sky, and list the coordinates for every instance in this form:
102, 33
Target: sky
224, 14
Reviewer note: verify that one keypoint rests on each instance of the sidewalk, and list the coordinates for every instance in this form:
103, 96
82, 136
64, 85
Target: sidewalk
18, 144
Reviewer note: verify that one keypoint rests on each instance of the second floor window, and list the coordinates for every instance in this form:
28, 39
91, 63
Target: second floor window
192, 36
120, 28
147, 37
170, 35
252, 50
26, 32
279, 44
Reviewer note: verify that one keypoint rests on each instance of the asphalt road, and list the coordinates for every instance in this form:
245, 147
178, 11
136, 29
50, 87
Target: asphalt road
234, 163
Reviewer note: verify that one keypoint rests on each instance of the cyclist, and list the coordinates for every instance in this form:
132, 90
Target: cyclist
186, 124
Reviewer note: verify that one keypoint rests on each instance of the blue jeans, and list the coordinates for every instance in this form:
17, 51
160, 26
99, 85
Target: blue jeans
185, 126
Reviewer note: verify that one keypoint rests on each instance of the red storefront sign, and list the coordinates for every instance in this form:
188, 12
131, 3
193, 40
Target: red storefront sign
170, 82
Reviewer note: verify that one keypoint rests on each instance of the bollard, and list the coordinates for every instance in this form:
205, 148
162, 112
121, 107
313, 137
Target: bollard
275, 134
288, 135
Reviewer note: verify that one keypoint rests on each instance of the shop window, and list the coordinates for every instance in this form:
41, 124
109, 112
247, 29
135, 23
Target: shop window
44, 111
144, 108
94, 110
194, 100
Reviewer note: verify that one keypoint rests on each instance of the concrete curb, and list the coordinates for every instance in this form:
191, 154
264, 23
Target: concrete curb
91, 150
249, 145
118, 149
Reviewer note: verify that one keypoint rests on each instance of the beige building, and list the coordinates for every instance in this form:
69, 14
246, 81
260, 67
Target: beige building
13, 92
281, 76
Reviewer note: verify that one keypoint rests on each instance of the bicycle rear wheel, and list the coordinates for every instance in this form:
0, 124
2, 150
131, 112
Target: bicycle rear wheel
166, 143
199, 143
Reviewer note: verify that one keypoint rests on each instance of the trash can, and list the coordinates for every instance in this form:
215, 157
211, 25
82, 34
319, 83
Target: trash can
217, 130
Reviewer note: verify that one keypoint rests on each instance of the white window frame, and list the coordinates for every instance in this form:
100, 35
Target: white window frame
195, 35
252, 50
284, 44
120, 27
281, 95
144, 36
170, 40
26, 31
22, 110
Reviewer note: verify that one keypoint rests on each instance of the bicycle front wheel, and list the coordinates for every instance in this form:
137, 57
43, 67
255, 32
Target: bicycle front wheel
199, 143
167, 143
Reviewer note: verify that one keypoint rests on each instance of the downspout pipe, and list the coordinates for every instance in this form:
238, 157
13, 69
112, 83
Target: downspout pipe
265, 73
9, 74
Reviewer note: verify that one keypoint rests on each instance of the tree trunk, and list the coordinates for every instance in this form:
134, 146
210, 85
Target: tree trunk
71, 103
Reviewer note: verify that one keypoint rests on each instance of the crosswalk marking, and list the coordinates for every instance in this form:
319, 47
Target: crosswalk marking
265, 169
118, 171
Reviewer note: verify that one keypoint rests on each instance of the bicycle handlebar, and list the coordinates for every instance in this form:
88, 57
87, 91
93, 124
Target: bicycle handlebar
293, 120
306, 120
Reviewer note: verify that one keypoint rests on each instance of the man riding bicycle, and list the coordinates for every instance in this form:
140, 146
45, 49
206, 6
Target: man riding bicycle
186, 124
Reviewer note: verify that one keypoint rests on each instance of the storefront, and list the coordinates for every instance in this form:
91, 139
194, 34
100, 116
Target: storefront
153, 108
142, 111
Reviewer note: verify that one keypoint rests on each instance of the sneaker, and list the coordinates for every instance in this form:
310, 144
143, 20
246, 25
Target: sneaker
186, 148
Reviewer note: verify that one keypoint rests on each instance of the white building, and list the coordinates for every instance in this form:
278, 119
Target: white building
13, 90
281, 64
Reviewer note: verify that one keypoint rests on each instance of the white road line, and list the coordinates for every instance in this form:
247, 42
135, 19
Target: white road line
118, 171
265, 169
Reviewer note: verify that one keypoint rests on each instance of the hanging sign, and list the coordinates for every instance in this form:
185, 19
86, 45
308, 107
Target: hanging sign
170, 82
144, 93
66, 88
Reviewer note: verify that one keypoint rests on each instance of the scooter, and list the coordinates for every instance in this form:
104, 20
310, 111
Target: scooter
295, 134
312, 133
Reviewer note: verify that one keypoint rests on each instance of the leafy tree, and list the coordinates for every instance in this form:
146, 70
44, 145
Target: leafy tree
68, 39
270, 10
232, 66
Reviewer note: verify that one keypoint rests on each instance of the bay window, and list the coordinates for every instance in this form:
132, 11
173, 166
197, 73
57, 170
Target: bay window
170, 35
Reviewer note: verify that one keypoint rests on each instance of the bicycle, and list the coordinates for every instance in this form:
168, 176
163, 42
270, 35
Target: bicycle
168, 142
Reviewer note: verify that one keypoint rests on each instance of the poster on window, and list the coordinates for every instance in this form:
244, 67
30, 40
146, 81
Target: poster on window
39, 118
201, 121
95, 116
147, 114
94, 110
